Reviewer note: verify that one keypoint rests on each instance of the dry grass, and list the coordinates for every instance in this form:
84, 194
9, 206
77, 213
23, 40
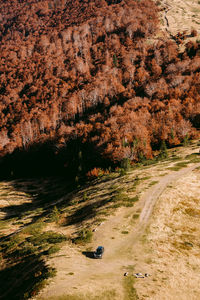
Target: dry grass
112, 197
173, 241
106, 295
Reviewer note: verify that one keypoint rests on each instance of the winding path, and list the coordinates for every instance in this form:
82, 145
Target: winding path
90, 274
152, 195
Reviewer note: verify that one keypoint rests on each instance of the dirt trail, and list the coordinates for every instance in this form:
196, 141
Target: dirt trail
89, 275
179, 16
152, 195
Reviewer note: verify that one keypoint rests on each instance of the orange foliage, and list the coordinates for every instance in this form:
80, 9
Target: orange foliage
92, 76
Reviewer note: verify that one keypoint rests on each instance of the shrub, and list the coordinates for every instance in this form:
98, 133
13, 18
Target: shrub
84, 236
34, 228
12, 244
136, 216
125, 164
53, 249
186, 140
163, 150
122, 172
48, 237
55, 215
85, 196
95, 173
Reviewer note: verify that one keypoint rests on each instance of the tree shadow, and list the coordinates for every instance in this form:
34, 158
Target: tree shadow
42, 194
86, 212
25, 270
23, 277
31, 199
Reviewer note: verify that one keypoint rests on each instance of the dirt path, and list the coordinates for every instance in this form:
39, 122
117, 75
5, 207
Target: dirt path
79, 274
179, 16
151, 196
170, 247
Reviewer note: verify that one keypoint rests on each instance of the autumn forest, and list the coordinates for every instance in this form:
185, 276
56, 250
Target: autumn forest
90, 80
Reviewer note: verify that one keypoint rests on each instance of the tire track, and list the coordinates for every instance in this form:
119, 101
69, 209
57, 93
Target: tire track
152, 195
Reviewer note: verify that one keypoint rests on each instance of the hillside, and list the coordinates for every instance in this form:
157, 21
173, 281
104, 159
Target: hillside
147, 220
92, 76
99, 129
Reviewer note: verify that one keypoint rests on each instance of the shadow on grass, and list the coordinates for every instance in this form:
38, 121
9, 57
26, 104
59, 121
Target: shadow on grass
42, 194
89, 254
24, 277
86, 212
23, 271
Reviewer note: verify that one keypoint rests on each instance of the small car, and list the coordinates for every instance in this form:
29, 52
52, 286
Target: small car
99, 252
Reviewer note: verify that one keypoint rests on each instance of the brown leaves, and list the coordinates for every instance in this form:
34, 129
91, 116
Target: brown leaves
91, 75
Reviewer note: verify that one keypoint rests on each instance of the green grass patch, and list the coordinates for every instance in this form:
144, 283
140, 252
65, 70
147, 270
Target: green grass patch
4, 224
116, 205
34, 228
119, 197
104, 212
195, 160
174, 158
122, 199
105, 295
164, 174
48, 237
54, 215
84, 236
192, 156
25, 249
182, 164
178, 166
54, 249
11, 244
174, 168
99, 220
130, 201
135, 216
145, 178
135, 184
130, 292
153, 183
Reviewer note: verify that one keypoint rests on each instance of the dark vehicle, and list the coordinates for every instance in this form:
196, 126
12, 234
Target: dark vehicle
99, 252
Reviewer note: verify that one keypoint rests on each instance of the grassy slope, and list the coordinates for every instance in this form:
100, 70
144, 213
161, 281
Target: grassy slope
40, 228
